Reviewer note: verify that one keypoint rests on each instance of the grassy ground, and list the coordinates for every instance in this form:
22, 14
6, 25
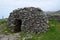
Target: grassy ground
3, 27
52, 34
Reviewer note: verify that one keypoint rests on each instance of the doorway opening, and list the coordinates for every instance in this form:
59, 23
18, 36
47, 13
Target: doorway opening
18, 23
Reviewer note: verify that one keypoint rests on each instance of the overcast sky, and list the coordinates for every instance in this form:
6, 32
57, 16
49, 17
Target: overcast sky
6, 6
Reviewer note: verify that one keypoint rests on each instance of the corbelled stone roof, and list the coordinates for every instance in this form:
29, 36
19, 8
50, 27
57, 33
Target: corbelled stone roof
28, 19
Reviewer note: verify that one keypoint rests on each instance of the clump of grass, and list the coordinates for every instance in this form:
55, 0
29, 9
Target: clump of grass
3, 27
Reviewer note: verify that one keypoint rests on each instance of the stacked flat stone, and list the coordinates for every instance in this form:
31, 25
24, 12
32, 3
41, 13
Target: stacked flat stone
28, 19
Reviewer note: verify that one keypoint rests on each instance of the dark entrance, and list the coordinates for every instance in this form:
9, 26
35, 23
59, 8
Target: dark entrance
18, 23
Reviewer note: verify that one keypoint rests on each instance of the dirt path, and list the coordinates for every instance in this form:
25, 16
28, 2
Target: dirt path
9, 37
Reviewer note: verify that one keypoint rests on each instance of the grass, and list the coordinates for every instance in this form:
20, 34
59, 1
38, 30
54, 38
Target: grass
3, 27
52, 34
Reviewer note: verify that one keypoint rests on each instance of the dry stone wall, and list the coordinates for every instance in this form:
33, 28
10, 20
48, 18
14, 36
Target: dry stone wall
28, 19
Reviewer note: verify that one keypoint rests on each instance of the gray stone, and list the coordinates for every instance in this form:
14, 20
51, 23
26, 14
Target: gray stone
28, 19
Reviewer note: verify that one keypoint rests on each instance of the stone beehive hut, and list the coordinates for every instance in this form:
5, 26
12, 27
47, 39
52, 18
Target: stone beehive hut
28, 19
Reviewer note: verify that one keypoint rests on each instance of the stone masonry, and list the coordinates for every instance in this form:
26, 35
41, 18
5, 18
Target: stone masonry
28, 19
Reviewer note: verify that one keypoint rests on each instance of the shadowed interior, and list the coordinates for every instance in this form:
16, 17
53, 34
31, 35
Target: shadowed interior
18, 23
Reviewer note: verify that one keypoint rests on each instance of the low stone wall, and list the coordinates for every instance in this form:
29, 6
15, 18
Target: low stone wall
54, 17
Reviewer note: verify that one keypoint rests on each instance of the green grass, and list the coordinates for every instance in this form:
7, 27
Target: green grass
52, 34
3, 27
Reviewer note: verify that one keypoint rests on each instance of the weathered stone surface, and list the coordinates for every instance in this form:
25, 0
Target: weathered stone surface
28, 19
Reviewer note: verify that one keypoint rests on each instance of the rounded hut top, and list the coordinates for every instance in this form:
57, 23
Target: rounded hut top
27, 9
